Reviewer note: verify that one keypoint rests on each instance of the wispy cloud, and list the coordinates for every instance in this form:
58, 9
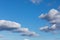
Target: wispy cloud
26, 39
14, 27
53, 17
30, 34
36, 1
58, 8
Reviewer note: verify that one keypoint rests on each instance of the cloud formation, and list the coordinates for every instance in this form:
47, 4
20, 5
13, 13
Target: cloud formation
8, 25
36, 1
53, 17
14, 27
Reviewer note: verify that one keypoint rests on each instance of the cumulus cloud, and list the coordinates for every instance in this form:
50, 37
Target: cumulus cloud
8, 25
15, 27
22, 30
36, 1
53, 17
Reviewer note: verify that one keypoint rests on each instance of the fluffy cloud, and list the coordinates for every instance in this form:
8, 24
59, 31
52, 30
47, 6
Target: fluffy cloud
53, 17
8, 25
36, 1
14, 27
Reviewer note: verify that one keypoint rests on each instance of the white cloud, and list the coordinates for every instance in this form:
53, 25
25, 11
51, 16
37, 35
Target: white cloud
45, 28
9, 25
22, 30
14, 27
26, 39
51, 14
53, 17
36, 1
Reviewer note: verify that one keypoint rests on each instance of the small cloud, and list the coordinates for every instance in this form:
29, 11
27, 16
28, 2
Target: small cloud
48, 29
26, 39
36, 1
30, 34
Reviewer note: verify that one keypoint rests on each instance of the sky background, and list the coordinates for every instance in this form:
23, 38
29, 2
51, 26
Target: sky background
26, 13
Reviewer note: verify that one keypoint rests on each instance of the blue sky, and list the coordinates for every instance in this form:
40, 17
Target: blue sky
26, 13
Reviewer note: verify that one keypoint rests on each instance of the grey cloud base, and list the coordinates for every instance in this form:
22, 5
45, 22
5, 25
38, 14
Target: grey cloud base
14, 27
53, 17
